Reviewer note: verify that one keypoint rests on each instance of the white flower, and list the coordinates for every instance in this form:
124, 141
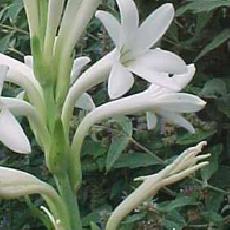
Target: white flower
11, 132
169, 105
133, 43
180, 82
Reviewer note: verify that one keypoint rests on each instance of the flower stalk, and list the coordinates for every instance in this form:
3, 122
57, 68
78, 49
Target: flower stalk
52, 89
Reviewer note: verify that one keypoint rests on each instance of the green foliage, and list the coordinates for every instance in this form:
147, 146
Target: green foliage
120, 150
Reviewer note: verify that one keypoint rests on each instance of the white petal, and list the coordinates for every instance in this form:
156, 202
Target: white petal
78, 65
15, 183
155, 26
179, 103
29, 61
3, 74
164, 84
12, 135
20, 96
16, 68
161, 61
17, 106
10, 176
85, 102
161, 80
120, 81
181, 80
177, 120
151, 120
129, 20
111, 24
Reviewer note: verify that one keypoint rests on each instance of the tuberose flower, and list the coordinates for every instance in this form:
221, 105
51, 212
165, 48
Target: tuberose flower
180, 82
169, 105
133, 53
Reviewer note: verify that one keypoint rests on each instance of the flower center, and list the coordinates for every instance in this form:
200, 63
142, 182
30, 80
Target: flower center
126, 56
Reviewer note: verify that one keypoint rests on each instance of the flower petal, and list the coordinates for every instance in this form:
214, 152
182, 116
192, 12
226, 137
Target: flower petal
111, 24
16, 68
16, 106
78, 65
10, 176
20, 96
181, 80
29, 61
12, 135
155, 26
120, 81
177, 120
3, 74
164, 84
129, 20
151, 120
162, 80
15, 183
85, 102
160, 61
179, 103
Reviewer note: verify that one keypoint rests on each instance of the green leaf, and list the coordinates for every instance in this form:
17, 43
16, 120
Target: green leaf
213, 88
223, 105
119, 144
200, 135
135, 160
212, 216
135, 217
125, 124
215, 43
179, 202
169, 224
221, 178
14, 9
4, 43
197, 6
207, 172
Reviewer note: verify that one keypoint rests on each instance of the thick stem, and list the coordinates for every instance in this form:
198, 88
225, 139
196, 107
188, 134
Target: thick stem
70, 200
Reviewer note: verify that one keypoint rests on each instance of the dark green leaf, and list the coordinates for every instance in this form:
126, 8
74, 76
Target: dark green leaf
215, 43
202, 5
213, 88
119, 144
135, 160
213, 166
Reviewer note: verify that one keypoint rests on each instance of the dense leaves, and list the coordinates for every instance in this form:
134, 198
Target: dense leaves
122, 149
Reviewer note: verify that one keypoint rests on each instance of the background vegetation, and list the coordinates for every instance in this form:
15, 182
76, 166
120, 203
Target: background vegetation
121, 149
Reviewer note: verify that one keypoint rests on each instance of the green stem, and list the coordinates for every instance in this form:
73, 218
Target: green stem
70, 200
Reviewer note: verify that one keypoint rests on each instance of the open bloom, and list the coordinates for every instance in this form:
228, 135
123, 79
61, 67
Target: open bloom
11, 132
169, 105
180, 82
133, 53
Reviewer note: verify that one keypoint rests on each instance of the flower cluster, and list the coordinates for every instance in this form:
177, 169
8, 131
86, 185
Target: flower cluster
53, 83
